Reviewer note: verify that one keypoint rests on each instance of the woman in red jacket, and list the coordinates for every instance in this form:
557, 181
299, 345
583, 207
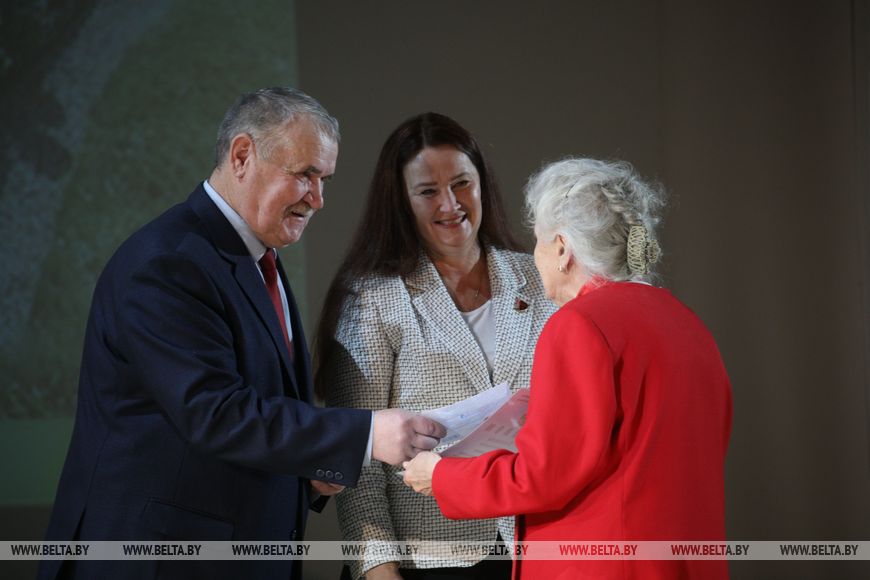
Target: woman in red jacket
630, 408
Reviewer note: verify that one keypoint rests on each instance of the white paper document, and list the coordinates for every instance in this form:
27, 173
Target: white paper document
487, 421
463, 417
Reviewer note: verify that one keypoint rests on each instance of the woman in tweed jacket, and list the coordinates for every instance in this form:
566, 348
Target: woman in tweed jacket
433, 303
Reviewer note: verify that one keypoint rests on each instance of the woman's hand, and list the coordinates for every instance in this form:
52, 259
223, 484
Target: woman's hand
386, 571
418, 471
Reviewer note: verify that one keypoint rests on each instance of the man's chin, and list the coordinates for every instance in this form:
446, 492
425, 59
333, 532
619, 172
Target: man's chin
291, 236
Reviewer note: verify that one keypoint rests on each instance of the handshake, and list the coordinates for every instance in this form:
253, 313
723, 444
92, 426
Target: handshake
400, 435
401, 438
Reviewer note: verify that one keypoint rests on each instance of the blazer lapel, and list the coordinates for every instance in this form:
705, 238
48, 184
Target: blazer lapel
436, 307
513, 312
301, 358
252, 285
232, 248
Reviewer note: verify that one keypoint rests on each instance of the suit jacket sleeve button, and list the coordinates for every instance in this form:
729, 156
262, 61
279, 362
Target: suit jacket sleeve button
329, 474
319, 473
339, 476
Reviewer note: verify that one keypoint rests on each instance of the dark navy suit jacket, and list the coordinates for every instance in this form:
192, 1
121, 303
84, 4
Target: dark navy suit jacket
192, 422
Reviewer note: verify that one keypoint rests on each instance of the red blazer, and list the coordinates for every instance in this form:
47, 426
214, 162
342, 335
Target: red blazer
625, 438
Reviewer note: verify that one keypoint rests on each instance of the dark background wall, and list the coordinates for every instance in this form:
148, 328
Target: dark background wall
753, 114
108, 115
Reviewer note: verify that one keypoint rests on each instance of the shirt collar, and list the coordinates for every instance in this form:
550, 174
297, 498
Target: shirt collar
255, 247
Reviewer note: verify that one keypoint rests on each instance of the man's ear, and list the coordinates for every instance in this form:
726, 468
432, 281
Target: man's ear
242, 152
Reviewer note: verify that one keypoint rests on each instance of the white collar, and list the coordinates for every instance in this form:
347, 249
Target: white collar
255, 247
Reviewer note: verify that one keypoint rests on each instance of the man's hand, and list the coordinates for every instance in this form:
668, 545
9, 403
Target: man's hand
399, 435
418, 472
326, 488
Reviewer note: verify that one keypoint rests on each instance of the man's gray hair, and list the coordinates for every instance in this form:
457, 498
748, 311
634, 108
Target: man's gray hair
260, 113
593, 205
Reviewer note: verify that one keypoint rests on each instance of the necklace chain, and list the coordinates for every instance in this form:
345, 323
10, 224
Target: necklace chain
477, 292
475, 299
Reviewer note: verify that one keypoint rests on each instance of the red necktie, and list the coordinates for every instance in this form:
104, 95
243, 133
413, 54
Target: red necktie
270, 275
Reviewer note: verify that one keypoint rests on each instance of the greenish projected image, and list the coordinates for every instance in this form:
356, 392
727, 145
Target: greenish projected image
110, 111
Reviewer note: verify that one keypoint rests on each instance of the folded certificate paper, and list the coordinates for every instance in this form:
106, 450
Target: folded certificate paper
461, 418
487, 421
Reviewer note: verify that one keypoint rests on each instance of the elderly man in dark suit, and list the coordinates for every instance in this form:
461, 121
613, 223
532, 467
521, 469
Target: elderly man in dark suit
195, 417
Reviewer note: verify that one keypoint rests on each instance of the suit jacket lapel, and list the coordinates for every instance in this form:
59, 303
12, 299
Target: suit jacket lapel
512, 311
232, 248
437, 308
302, 360
252, 285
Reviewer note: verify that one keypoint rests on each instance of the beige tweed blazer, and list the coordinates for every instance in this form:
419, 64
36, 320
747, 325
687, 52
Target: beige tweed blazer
403, 343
